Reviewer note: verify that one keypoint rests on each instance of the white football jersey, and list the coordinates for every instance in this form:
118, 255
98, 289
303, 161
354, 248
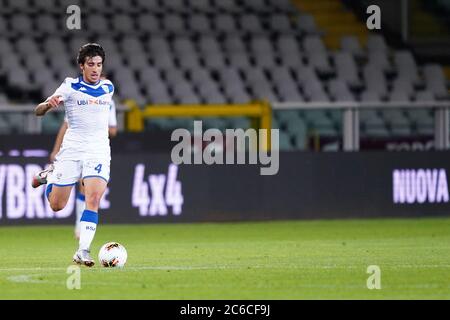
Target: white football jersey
112, 122
87, 110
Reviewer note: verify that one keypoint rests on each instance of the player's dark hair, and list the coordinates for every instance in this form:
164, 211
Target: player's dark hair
90, 50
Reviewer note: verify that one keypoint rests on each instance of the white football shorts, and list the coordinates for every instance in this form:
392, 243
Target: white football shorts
68, 172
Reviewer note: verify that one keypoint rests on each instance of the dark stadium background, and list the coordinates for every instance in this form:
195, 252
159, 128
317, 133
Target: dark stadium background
352, 104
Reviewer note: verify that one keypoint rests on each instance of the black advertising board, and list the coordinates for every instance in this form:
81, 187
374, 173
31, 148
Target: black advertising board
149, 188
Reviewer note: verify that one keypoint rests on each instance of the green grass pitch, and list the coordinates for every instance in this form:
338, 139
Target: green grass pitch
263, 260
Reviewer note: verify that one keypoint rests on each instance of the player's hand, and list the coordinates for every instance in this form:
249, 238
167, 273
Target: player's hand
54, 101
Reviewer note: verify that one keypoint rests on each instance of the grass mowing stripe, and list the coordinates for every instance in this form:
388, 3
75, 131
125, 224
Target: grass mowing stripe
264, 260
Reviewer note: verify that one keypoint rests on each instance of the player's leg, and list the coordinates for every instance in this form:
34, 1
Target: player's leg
95, 177
80, 205
94, 189
58, 196
60, 182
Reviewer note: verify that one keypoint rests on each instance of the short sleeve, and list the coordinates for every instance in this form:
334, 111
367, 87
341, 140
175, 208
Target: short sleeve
110, 86
112, 122
63, 90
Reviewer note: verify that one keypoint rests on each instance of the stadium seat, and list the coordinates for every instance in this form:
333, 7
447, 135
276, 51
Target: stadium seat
257, 6
380, 60
406, 66
376, 43
307, 25
46, 6
148, 23
234, 43
250, 23
351, 45
375, 80
284, 6
122, 6
289, 52
217, 51
346, 69
149, 6
317, 54
280, 23
173, 23
203, 6
21, 25
239, 60
174, 6
6, 48
123, 25
339, 91
199, 23
225, 23
402, 86
228, 6
435, 80
285, 85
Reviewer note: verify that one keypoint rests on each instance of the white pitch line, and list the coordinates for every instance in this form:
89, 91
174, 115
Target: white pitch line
219, 267
31, 269
27, 278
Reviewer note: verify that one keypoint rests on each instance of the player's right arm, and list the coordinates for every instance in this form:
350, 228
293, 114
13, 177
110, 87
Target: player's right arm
58, 141
44, 107
61, 94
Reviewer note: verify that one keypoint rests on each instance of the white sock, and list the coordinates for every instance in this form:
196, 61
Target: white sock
88, 226
80, 205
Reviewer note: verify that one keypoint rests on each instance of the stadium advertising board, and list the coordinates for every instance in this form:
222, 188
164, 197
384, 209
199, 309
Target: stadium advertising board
149, 188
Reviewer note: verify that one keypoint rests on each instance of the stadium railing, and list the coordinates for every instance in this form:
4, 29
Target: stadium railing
351, 119
33, 124
131, 117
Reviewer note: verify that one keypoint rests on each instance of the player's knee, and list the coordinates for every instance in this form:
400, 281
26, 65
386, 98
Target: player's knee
93, 199
57, 205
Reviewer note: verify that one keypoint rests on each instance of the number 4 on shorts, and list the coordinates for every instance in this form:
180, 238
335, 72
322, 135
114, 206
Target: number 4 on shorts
98, 168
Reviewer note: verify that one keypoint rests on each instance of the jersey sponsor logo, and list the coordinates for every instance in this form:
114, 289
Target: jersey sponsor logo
99, 102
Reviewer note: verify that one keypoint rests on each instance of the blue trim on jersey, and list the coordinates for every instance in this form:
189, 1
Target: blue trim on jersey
89, 216
93, 92
95, 177
80, 79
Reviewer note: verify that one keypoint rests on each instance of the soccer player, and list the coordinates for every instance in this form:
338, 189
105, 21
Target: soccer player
80, 198
85, 151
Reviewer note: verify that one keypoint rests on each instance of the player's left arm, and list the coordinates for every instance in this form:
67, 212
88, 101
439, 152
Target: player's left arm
112, 121
59, 140
112, 132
